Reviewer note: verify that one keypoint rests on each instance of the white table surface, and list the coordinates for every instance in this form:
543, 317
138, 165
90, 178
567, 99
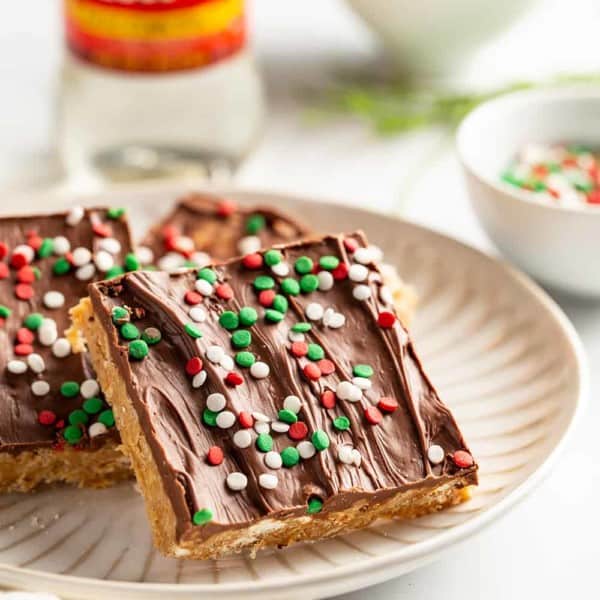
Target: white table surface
544, 548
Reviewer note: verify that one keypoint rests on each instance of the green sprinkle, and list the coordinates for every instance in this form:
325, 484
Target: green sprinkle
342, 423
315, 352
129, 331
320, 440
510, 178
280, 303
241, 338
69, 389
46, 248
72, 434
264, 442
33, 321
152, 335
92, 406
131, 262
264, 282
287, 416
255, 223
290, 456
248, 316
315, 505
273, 316
115, 213
192, 331
138, 349
245, 359
106, 417
362, 370
36, 272
209, 417
273, 257
61, 267
207, 274
329, 263
190, 264
114, 272
290, 286
119, 315
78, 417
202, 516
309, 283
301, 327
5, 311
303, 265
229, 320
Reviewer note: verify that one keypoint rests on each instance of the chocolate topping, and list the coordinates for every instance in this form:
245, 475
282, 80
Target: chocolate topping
393, 415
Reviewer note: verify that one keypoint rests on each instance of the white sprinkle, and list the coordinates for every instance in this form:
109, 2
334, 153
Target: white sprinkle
86, 272
216, 402
362, 383
267, 481
110, 245
325, 280
60, 245
361, 292
333, 319
170, 262
201, 259
249, 245
356, 457
215, 354
204, 287
358, 273
280, 427
281, 269
237, 481
376, 253
104, 260
47, 332
81, 256
61, 348
435, 454
385, 295
348, 391
261, 427
40, 388
74, 216
225, 419
345, 454
36, 363
273, 460
97, 429
26, 251
53, 299
314, 311
144, 255
260, 370
197, 314
364, 255
16, 367
199, 379
185, 244
227, 363
258, 416
242, 438
292, 403
306, 449
89, 388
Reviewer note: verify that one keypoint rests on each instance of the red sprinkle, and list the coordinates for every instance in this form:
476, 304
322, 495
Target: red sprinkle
170, 243
593, 197
224, 291
373, 415
233, 379
46, 417
462, 459
328, 399
3, 271
298, 430
23, 349
387, 404
34, 241
2, 321
312, 371
24, 336
194, 365
26, 274
225, 208
340, 272
266, 297
3, 250
59, 424
18, 260
253, 261
386, 319
246, 419
192, 297
214, 455
350, 244
169, 232
23, 291
327, 367
299, 348
183, 247
102, 229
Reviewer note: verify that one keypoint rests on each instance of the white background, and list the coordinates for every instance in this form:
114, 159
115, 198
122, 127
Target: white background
547, 547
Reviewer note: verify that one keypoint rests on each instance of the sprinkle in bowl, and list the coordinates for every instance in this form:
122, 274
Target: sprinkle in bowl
556, 242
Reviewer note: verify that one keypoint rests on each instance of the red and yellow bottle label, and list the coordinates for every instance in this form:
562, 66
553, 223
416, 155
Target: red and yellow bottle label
154, 35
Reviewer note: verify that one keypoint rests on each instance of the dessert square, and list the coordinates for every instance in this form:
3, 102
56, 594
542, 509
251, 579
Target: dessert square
272, 399
54, 422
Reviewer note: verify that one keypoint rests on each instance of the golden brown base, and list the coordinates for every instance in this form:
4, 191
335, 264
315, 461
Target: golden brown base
262, 533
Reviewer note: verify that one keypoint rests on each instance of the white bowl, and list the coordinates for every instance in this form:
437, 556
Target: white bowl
557, 245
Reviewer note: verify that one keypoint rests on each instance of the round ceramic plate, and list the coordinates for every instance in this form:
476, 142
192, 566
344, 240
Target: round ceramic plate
505, 359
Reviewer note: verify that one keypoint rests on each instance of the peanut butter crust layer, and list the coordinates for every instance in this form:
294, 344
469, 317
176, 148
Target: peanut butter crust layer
272, 399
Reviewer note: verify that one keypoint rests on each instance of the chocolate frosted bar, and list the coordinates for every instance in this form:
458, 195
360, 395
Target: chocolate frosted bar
272, 399
54, 422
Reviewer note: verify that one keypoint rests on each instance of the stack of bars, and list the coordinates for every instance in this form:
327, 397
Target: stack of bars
260, 400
